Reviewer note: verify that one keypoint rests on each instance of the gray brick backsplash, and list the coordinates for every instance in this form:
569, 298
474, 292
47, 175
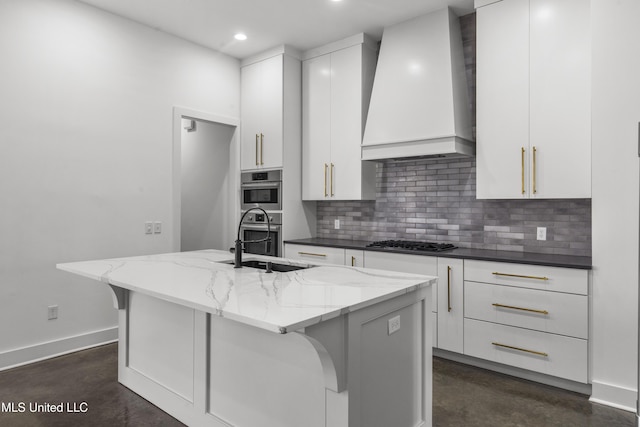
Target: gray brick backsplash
415, 203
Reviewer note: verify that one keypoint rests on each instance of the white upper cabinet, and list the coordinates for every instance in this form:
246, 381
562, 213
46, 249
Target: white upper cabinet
336, 85
261, 113
533, 99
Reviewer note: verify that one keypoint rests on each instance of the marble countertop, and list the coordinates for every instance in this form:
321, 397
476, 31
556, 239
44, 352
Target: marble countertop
551, 260
278, 302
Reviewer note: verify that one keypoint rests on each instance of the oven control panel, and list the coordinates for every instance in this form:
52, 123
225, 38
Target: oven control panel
261, 218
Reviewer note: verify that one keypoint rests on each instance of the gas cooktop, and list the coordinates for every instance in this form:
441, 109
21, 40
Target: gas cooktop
412, 245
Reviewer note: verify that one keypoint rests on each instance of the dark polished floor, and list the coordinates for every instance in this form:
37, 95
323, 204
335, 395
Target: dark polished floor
463, 396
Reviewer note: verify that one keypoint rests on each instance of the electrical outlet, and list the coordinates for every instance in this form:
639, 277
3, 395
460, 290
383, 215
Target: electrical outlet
52, 312
394, 324
157, 227
336, 224
542, 233
148, 227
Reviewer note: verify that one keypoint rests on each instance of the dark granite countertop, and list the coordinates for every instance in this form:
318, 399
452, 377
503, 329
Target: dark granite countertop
566, 261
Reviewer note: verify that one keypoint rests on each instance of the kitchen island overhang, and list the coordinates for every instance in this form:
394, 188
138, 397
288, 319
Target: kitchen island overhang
214, 345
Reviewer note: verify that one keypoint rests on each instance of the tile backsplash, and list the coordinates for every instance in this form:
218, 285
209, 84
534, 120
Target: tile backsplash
434, 200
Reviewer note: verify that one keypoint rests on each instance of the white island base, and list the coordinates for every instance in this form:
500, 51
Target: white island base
207, 370
347, 370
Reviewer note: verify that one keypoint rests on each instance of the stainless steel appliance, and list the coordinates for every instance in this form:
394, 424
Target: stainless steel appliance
261, 190
410, 245
254, 227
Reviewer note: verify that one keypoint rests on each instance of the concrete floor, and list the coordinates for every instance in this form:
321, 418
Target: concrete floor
463, 396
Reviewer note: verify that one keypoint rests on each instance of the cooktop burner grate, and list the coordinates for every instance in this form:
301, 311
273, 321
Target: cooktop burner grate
412, 245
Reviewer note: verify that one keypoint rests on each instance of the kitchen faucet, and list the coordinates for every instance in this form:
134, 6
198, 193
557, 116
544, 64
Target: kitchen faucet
239, 242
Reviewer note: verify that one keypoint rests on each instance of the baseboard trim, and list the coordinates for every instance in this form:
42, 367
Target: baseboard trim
47, 350
612, 395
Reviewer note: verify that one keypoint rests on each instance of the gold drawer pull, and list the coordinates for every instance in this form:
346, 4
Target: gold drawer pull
522, 168
261, 148
257, 150
539, 353
311, 254
520, 308
353, 261
521, 276
534, 170
326, 166
449, 288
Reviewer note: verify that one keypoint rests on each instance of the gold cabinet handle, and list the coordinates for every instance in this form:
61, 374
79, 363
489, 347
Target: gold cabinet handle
531, 310
325, 180
261, 148
332, 166
311, 254
353, 261
522, 169
534, 170
539, 353
521, 276
449, 287
257, 148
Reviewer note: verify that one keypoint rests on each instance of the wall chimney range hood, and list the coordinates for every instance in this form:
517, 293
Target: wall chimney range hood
419, 105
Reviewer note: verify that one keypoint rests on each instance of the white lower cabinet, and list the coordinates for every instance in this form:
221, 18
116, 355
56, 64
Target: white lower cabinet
530, 317
551, 354
450, 304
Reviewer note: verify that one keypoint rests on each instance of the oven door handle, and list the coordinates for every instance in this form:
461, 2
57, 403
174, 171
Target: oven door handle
275, 184
260, 227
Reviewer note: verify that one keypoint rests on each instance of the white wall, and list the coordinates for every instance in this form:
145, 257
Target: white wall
616, 113
207, 205
86, 134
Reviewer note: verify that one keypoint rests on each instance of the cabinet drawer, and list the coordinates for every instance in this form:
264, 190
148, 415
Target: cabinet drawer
558, 313
405, 263
558, 355
314, 254
528, 276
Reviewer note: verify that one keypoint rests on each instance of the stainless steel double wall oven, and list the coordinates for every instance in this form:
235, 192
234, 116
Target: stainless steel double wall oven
262, 189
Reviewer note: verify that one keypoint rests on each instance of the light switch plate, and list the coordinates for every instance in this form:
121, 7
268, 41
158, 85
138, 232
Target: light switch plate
157, 227
336, 224
542, 233
148, 227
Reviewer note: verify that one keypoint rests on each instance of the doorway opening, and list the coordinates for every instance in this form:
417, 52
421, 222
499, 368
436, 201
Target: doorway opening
205, 169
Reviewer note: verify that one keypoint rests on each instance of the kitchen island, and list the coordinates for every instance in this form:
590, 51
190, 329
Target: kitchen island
322, 346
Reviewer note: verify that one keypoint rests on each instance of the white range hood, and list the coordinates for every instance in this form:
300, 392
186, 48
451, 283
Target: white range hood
419, 104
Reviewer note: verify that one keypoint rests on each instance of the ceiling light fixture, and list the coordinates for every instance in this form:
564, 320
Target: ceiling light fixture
240, 36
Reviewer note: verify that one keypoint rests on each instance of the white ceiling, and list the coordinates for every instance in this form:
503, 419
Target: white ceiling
303, 24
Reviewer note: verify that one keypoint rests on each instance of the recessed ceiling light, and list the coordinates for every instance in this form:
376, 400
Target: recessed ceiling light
240, 36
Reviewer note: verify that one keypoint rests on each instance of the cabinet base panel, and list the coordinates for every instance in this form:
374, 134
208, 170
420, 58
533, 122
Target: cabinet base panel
515, 372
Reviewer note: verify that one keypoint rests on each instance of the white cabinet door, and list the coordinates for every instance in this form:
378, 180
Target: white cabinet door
450, 304
560, 98
250, 106
316, 137
261, 111
533, 99
272, 111
346, 123
502, 75
336, 87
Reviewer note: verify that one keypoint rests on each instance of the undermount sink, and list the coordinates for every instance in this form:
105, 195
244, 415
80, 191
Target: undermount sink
262, 265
